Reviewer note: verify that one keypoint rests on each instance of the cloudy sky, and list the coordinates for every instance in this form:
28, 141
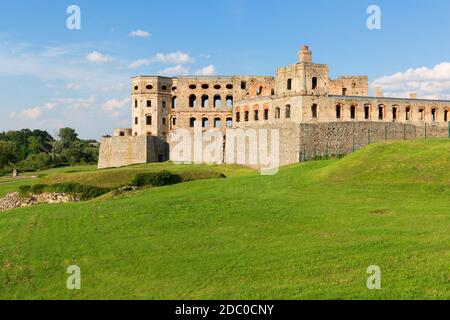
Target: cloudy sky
51, 76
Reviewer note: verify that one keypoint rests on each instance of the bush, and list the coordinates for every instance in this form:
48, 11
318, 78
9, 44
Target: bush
38, 188
155, 179
82, 191
24, 190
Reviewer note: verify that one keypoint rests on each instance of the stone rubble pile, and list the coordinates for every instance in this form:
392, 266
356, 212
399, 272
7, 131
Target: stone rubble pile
15, 200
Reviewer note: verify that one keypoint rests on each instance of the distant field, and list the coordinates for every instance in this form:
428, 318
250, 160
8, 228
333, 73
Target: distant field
309, 232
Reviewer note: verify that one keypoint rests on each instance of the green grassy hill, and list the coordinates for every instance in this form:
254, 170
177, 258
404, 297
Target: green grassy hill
309, 232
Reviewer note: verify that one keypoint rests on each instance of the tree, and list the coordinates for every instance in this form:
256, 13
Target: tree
67, 137
8, 153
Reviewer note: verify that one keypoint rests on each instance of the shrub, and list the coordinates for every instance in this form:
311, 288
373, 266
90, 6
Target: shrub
38, 188
83, 191
24, 190
155, 179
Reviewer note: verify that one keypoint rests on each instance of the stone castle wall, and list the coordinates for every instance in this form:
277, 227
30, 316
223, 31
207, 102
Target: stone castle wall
124, 151
321, 140
297, 142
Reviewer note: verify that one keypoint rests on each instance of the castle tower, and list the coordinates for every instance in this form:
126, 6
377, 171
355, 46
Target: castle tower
150, 106
305, 55
303, 78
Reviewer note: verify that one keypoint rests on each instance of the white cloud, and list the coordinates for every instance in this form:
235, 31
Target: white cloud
139, 63
175, 71
75, 89
97, 57
77, 103
139, 34
73, 86
113, 107
32, 113
177, 58
206, 71
174, 58
114, 104
428, 83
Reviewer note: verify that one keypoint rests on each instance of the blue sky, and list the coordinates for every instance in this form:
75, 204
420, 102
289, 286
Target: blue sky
52, 77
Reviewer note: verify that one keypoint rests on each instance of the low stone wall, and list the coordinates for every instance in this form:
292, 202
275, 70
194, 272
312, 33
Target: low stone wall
124, 151
340, 138
14, 200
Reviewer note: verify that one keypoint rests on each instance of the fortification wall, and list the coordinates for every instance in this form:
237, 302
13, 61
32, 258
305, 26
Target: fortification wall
321, 140
124, 151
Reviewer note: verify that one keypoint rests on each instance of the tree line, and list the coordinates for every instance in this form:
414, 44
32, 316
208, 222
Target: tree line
37, 150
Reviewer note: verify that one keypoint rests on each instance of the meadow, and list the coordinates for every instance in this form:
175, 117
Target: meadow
309, 232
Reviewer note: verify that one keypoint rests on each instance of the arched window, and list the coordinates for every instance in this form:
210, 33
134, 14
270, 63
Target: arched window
380, 112
229, 101
259, 91
394, 113
229, 122
246, 118
408, 114
238, 116
205, 101
192, 101
352, 112
277, 113
256, 115
217, 101
266, 114
421, 114
288, 112
289, 84
174, 102
367, 112
446, 115
314, 83
314, 111
192, 122
205, 123
338, 111
434, 115
148, 120
217, 123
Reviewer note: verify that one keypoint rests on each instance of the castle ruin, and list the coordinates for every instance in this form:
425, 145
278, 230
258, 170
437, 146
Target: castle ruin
316, 115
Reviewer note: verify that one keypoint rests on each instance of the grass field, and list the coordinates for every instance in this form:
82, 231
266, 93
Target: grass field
309, 232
